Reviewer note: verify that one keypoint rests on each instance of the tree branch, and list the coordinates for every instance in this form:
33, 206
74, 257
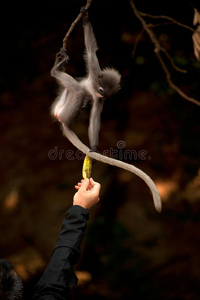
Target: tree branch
74, 24
171, 84
159, 49
137, 41
172, 21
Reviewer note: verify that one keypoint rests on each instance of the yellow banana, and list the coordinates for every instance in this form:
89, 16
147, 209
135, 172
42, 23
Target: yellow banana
87, 167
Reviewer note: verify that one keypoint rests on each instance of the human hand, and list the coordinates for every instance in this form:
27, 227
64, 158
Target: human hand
88, 193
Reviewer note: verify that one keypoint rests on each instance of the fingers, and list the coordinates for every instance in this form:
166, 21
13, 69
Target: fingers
92, 182
84, 184
77, 187
95, 185
89, 184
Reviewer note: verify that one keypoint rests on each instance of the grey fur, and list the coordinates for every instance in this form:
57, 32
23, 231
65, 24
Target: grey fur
93, 90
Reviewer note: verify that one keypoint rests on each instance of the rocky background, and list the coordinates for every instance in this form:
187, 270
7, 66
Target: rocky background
130, 251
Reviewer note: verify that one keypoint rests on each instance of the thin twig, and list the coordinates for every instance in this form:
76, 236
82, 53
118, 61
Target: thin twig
74, 24
171, 84
160, 24
159, 49
171, 61
173, 21
137, 41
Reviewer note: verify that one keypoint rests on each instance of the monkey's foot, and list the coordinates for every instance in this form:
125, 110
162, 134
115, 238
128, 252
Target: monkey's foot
61, 59
93, 160
84, 11
62, 55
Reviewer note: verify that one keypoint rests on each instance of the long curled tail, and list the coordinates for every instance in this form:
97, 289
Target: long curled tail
113, 162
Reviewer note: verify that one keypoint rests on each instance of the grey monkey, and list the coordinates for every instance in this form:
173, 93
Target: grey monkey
92, 90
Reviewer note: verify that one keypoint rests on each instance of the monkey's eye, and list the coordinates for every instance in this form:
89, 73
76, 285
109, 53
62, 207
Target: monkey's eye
101, 91
100, 75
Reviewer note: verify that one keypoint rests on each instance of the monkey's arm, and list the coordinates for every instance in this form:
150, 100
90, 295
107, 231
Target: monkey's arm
91, 48
94, 124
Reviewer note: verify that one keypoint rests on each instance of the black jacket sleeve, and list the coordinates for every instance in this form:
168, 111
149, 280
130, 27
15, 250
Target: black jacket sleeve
59, 277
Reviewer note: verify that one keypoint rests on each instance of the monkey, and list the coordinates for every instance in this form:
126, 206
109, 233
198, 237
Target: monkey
92, 90
97, 86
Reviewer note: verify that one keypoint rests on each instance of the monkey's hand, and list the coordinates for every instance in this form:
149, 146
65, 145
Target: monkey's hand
84, 11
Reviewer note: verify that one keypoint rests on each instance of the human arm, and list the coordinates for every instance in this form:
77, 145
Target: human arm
59, 277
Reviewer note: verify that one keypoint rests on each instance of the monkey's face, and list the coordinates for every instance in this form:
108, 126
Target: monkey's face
101, 92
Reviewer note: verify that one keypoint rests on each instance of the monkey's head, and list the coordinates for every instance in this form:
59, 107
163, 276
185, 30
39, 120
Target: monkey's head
109, 82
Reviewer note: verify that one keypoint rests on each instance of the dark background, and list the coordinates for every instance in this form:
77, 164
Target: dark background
130, 251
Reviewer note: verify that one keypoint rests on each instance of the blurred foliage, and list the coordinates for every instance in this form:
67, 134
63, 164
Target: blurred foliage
120, 266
